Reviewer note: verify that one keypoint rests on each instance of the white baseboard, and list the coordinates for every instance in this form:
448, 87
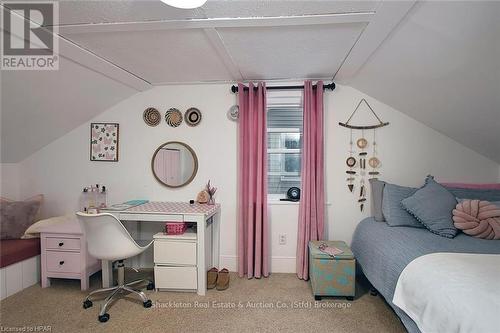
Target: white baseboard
279, 264
18, 276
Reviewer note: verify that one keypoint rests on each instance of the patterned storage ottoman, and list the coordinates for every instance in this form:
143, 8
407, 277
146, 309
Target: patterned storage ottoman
332, 276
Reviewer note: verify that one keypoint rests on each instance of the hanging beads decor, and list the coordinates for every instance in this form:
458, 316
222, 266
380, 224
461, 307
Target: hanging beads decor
362, 155
351, 163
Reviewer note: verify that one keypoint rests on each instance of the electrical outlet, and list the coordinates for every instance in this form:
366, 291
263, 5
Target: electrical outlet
282, 238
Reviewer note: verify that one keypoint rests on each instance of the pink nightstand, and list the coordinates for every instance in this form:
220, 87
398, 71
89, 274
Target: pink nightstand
64, 254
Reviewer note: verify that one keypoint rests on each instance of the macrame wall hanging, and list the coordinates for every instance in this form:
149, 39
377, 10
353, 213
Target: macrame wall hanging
359, 162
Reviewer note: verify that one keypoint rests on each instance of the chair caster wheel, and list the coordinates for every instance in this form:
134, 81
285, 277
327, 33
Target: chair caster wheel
350, 298
151, 286
148, 303
104, 318
373, 292
87, 304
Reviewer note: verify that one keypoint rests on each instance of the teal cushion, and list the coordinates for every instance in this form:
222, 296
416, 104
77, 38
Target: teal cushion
432, 205
395, 215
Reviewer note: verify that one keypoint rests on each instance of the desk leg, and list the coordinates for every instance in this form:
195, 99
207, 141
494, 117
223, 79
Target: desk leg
201, 269
216, 240
107, 273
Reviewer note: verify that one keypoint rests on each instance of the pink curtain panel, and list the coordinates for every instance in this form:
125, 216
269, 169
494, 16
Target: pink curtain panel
312, 201
253, 246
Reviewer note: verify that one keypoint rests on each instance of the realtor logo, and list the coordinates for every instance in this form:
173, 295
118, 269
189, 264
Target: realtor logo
29, 35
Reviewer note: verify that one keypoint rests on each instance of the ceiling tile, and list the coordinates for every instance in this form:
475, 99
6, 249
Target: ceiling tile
290, 52
81, 12
262, 8
165, 56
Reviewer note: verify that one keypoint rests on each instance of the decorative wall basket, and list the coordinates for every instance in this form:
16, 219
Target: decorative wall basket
357, 160
192, 117
151, 116
173, 117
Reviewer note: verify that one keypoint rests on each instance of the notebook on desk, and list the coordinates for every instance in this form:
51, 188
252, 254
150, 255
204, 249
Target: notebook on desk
126, 205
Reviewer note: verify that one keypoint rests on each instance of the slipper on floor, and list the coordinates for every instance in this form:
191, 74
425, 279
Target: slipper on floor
223, 279
212, 278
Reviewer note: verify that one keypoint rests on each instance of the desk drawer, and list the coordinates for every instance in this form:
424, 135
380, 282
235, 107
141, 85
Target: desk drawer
174, 252
175, 277
63, 243
63, 262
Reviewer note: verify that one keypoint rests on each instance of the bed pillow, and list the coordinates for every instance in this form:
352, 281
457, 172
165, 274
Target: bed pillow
496, 203
478, 194
377, 190
478, 218
395, 215
38, 197
432, 205
474, 186
16, 217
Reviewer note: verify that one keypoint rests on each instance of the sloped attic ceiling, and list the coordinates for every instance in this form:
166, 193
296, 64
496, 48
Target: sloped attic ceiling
441, 66
433, 61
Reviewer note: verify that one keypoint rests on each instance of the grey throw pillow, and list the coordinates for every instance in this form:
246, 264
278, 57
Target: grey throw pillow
432, 205
377, 189
394, 214
479, 194
16, 217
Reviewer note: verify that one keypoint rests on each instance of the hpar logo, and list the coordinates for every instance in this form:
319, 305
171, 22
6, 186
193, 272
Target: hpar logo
29, 35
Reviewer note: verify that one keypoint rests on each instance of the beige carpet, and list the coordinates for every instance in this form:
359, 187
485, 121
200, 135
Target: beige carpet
278, 303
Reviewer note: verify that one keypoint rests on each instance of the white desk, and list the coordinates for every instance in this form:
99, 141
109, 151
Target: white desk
206, 217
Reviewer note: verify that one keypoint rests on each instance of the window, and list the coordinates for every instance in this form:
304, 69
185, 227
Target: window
284, 141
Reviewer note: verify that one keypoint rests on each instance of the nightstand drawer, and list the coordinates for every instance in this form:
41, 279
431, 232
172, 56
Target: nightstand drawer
63, 243
63, 262
175, 277
174, 252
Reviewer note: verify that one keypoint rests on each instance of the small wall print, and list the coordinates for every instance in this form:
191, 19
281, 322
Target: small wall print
104, 142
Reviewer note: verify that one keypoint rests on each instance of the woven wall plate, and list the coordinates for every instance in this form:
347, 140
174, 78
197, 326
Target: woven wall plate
192, 117
173, 117
151, 116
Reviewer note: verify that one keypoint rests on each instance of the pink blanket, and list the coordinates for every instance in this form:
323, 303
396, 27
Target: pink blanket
478, 218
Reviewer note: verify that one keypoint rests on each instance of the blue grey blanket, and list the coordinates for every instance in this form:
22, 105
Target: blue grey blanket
383, 252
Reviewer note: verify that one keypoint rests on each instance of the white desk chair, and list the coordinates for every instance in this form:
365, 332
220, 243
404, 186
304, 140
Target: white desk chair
107, 239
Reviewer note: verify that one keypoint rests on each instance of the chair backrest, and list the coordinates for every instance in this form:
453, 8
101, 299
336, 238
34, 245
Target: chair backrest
106, 237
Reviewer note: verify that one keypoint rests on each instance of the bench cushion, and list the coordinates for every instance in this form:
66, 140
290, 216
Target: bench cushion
16, 250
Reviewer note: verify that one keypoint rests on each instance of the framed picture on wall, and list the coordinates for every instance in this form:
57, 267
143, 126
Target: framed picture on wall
104, 139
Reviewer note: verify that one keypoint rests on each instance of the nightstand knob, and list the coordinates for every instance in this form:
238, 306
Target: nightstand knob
61, 244
61, 262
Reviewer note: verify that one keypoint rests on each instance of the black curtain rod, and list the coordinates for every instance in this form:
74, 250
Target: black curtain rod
330, 86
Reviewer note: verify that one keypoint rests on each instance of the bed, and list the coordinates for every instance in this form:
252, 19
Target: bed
383, 252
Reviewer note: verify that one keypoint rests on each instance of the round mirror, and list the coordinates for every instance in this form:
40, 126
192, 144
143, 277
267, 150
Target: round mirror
174, 164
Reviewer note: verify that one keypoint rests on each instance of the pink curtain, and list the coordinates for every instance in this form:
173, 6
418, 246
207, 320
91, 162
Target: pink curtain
253, 247
312, 199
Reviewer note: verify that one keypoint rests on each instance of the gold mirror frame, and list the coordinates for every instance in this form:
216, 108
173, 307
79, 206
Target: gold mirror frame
195, 169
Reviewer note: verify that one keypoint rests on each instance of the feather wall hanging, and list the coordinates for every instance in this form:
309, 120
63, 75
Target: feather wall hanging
359, 160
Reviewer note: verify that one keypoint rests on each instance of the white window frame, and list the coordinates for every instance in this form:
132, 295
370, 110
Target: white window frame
283, 98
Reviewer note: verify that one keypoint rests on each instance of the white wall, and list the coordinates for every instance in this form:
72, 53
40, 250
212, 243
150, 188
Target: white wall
9, 181
408, 151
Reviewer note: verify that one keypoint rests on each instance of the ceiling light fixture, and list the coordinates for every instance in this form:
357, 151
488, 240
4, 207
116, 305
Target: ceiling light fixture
185, 4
